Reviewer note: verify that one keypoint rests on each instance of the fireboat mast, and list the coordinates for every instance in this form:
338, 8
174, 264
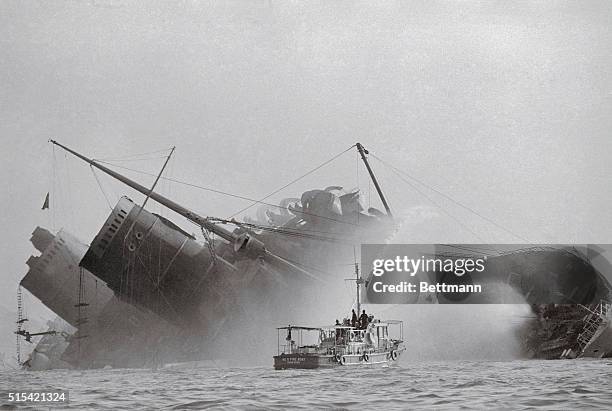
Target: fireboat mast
243, 243
358, 281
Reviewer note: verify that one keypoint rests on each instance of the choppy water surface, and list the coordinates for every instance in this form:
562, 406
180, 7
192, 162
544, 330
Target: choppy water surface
514, 384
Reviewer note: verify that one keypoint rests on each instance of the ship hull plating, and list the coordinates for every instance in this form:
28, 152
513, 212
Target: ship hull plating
313, 361
149, 262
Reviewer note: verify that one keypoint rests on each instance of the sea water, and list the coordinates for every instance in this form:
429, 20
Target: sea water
524, 384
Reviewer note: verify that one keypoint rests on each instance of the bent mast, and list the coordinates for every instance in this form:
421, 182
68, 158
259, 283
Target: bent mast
244, 243
199, 220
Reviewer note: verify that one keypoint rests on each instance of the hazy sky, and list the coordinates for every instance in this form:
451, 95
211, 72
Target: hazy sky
503, 105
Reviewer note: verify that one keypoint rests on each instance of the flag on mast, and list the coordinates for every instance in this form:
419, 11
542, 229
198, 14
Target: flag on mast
46, 203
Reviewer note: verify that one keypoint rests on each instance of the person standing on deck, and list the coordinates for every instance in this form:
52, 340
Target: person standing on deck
354, 319
363, 320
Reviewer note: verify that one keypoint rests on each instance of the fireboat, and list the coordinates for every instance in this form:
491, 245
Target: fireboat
366, 343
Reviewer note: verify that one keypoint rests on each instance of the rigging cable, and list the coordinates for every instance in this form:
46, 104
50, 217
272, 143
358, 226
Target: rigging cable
310, 268
54, 197
450, 199
132, 156
129, 159
294, 181
466, 247
148, 195
69, 193
212, 190
358, 188
280, 230
369, 194
437, 205
101, 188
270, 227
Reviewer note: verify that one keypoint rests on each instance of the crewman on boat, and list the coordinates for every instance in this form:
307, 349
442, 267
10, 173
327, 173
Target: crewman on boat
363, 320
340, 333
354, 319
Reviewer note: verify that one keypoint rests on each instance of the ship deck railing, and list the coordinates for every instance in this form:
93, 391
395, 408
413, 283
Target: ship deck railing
604, 308
592, 323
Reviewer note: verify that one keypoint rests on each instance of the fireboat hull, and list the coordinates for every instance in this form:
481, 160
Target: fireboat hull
303, 361
312, 361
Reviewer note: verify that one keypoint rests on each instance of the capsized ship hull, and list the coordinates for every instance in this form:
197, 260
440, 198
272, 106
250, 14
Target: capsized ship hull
53, 276
152, 294
103, 330
568, 295
553, 275
149, 262
568, 331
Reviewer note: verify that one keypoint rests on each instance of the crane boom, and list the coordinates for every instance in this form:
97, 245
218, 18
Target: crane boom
363, 152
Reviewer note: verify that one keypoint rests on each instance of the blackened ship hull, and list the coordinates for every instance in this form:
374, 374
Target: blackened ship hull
149, 262
146, 292
101, 330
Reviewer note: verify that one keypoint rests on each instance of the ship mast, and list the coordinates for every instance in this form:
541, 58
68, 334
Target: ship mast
363, 152
358, 281
243, 243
